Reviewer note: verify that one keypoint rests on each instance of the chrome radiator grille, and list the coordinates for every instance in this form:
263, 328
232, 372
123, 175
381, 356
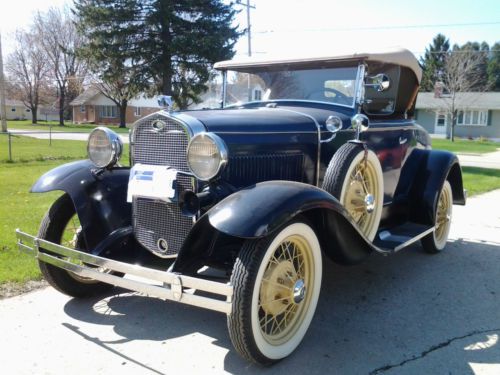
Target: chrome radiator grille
160, 147
157, 223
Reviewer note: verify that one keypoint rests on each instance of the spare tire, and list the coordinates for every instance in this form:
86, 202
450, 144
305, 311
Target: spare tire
354, 177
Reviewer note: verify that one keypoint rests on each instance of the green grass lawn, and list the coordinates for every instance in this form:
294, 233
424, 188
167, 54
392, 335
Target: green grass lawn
480, 180
68, 127
21, 209
465, 146
26, 149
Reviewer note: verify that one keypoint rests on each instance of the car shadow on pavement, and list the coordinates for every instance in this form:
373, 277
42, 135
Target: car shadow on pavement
393, 314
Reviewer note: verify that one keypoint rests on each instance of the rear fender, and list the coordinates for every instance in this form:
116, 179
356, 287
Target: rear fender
260, 210
100, 199
422, 179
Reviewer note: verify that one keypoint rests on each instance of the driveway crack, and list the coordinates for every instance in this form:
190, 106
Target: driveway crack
430, 350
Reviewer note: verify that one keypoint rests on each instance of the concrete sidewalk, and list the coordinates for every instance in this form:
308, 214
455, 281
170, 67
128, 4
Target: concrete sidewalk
488, 160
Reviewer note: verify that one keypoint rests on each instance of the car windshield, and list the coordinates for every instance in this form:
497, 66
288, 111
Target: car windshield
329, 85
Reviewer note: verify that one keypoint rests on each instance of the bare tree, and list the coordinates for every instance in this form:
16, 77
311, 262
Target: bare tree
59, 38
460, 74
118, 83
28, 69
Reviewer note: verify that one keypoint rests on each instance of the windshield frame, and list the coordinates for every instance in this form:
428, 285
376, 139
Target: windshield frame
357, 98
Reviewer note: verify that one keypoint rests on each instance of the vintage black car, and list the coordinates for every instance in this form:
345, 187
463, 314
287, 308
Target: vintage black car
232, 209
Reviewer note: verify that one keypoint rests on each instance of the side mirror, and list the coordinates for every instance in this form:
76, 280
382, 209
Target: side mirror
379, 82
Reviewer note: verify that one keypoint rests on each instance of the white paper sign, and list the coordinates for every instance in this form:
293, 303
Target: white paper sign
151, 181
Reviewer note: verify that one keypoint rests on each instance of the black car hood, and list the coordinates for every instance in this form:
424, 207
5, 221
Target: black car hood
255, 120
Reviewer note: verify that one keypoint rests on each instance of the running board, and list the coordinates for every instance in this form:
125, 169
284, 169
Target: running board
397, 238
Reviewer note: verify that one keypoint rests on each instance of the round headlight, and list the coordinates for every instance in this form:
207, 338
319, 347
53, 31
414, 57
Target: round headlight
206, 155
104, 147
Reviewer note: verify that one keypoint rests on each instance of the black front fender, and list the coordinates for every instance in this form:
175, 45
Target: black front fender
261, 209
100, 199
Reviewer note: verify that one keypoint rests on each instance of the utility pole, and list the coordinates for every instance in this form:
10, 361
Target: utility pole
3, 111
249, 37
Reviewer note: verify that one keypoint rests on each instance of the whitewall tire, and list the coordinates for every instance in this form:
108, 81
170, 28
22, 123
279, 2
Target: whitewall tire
276, 283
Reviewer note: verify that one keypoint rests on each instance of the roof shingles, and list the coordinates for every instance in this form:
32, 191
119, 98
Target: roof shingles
464, 100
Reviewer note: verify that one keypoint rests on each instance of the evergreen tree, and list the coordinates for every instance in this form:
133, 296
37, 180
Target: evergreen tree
111, 29
494, 68
433, 62
172, 44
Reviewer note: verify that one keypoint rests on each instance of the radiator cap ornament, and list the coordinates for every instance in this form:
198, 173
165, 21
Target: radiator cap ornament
165, 102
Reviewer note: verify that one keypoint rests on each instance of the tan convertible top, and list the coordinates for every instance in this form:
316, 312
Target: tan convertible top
398, 56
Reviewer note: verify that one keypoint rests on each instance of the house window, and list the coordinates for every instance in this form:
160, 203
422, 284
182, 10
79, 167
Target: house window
108, 111
137, 111
257, 95
441, 120
13, 109
82, 108
473, 117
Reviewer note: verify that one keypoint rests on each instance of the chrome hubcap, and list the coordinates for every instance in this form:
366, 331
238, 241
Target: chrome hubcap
299, 291
370, 203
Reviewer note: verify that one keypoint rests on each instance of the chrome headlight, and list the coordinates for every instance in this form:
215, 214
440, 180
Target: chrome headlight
206, 156
104, 147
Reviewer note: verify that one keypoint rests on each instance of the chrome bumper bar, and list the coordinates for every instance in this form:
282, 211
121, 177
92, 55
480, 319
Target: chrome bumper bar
173, 287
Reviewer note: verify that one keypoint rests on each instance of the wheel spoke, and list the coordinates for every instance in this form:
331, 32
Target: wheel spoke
277, 285
274, 300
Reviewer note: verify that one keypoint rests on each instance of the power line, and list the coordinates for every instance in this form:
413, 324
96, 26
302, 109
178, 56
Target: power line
395, 27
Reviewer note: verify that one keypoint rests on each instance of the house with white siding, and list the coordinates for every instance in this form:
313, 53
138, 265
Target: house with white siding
478, 114
17, 110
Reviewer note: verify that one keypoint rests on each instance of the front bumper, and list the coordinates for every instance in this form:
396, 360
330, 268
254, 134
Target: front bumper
165, 285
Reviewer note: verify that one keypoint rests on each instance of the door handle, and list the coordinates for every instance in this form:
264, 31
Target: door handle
402, 140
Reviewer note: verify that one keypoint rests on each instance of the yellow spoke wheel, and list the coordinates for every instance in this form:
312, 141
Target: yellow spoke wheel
354, 177
436, 241
276, 289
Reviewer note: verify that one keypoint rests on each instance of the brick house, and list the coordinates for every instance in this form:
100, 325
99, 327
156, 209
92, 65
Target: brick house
93, 107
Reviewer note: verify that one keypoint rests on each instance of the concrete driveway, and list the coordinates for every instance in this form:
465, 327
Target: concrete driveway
410, 313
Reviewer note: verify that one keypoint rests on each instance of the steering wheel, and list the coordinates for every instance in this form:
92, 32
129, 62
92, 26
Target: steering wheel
339, 97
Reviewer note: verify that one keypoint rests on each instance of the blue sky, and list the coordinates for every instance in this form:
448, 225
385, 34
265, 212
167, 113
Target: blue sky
282, 27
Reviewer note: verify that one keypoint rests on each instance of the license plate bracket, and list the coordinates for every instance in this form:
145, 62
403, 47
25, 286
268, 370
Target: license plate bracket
152, 181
